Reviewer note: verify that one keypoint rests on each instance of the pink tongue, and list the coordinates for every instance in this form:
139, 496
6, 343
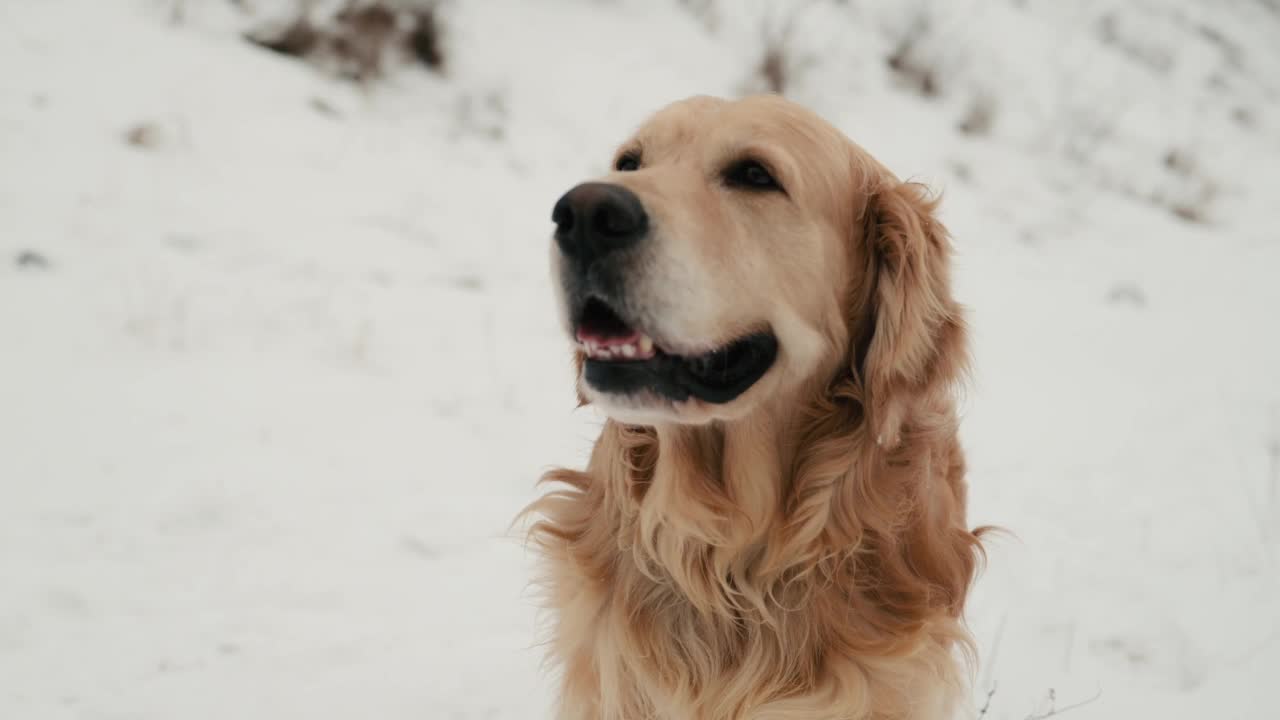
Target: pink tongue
608, 341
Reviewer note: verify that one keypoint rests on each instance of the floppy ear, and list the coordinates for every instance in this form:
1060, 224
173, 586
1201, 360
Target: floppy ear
916, 349
906, 352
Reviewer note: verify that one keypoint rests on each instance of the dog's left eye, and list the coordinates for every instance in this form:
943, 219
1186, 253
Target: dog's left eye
750, 175
627, 163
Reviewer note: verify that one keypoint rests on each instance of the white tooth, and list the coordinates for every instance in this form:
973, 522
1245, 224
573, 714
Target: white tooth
606, 353
646, 344
629, 350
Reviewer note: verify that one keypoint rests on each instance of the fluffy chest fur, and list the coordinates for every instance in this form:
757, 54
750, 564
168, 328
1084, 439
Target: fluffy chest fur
693, 580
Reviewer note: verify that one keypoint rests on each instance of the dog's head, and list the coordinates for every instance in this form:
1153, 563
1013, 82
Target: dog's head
740, 250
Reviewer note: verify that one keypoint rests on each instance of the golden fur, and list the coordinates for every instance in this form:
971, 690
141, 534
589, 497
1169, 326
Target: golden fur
801, 554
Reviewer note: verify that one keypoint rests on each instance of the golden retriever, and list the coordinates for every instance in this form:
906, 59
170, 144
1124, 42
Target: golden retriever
772, 523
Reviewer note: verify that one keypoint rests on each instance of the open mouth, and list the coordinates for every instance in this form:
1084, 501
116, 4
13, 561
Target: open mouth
621, 359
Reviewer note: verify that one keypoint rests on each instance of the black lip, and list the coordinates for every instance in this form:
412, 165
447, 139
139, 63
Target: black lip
716, 377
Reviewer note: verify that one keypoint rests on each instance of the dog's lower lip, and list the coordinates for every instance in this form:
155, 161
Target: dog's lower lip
718, 376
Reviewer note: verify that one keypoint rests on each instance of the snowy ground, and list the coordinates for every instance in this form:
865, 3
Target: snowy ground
273, 386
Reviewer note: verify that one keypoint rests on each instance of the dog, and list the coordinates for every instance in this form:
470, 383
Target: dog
771, 525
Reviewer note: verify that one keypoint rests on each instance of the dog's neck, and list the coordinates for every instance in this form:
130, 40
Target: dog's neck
706, 506
741, 465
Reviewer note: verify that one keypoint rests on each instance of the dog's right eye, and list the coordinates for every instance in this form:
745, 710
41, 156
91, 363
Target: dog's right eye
751, 175
627, 163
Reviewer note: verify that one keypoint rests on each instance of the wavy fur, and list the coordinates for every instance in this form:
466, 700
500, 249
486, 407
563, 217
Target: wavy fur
809, 562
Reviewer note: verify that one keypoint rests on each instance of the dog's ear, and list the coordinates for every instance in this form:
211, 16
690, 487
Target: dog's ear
892, 402
909, 341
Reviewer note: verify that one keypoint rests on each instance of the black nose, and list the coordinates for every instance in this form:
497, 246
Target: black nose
595, 219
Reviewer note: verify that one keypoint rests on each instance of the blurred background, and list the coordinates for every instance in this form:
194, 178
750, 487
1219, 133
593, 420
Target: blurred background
280, 362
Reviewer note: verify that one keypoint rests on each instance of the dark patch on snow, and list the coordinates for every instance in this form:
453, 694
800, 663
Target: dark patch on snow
31, 260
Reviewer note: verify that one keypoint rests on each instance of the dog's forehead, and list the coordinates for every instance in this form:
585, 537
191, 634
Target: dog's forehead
713, 123
678, 125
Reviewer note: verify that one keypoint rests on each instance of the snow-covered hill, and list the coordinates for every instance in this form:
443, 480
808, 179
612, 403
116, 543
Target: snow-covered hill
279, 361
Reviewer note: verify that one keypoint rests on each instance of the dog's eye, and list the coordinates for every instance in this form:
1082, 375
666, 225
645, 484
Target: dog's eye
750, 175
627, 163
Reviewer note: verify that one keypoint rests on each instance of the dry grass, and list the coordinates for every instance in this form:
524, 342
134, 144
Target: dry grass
782, 59
980, 117
908, 61
362, 40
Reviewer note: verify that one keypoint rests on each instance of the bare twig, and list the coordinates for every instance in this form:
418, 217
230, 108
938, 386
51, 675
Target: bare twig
1054, 710
1273, 456
994, 655
986, 706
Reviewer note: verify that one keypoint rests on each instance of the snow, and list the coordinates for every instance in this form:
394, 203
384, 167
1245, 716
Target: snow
291, 369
